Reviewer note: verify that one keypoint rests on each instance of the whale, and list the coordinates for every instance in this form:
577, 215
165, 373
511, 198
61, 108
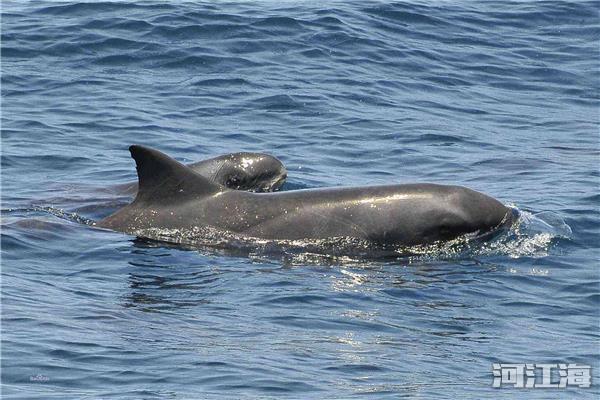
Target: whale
254, 172
174, 196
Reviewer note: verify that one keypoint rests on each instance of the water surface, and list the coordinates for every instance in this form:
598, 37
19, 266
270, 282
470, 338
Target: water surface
501, 97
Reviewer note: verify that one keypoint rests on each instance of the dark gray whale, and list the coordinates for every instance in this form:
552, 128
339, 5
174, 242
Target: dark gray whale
255, 172
174, 196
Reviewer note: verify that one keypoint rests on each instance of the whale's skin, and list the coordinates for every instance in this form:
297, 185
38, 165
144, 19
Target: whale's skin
407, 214
254, 172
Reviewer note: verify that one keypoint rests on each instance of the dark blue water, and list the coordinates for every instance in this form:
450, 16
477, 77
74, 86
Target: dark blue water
501, 97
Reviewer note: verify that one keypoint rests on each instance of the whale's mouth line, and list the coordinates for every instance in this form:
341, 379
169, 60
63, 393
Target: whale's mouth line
506, 224
278, 182
272, 186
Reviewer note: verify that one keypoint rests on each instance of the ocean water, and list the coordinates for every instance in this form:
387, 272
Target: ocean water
501, 97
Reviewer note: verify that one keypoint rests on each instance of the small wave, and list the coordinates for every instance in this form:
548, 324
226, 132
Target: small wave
117, 60
87, 8
405, 16
15, 52
195, 31
115, 43
210, 62
277, 102
279, 24
221, 82
127, 24
57, 212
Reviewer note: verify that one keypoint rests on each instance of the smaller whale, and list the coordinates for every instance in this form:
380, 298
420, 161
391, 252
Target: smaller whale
253, 172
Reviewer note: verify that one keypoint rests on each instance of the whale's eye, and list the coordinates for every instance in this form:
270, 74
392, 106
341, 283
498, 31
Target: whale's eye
233, 182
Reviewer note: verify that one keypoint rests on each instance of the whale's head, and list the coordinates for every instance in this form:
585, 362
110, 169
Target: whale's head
468, 211
454, 211
254, 172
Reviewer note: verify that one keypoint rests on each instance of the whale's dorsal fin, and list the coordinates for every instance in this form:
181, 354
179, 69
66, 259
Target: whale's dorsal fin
163, 179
